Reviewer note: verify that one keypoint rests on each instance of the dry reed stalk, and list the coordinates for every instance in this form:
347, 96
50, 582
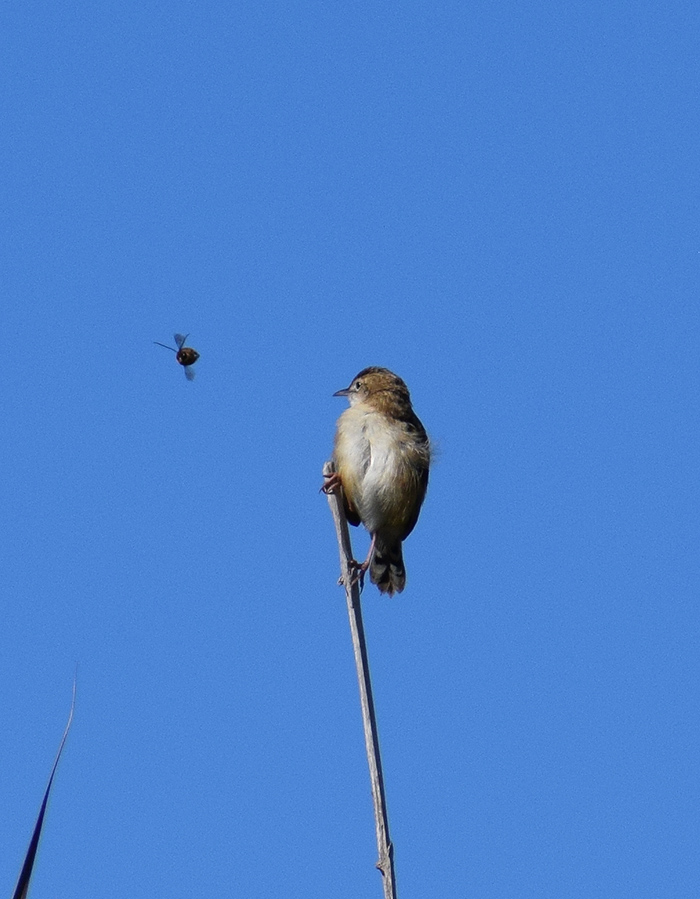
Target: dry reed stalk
352, 594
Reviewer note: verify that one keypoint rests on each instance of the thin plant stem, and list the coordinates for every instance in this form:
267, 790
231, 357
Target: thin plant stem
348, 578
25, 876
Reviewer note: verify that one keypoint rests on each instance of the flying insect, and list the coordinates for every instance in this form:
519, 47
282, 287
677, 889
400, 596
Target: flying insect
185, 355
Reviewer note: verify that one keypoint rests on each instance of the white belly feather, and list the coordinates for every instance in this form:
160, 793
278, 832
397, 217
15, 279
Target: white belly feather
371, 457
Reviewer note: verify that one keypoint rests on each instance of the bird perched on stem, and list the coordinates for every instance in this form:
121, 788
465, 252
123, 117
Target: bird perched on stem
381, 458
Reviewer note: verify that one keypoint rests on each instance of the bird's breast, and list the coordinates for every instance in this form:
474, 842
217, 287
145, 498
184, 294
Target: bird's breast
376, 457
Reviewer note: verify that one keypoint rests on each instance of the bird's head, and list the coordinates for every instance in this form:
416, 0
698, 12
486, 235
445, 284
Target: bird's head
377, 387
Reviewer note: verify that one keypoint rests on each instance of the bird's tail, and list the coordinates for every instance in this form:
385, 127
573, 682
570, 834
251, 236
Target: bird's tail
386, 569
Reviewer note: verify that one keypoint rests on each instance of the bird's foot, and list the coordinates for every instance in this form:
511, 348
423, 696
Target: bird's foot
332, 483
357, 573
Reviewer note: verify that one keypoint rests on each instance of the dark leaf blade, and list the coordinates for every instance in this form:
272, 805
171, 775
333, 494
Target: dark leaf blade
22, 887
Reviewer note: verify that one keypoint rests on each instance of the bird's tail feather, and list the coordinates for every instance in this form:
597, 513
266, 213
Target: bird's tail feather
386, 569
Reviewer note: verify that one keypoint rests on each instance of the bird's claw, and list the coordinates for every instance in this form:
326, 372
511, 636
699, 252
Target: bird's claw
332, 483
358, 573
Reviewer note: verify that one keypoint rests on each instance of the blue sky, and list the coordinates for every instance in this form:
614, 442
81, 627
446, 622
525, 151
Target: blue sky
501, 205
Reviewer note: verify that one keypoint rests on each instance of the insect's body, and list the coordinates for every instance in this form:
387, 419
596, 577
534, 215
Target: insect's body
185, 355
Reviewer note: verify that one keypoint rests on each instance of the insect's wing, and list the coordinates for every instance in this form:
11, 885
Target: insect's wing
165, 345
180, 340
189, 372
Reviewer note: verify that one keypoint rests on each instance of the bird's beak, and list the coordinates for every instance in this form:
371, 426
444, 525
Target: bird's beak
344, 392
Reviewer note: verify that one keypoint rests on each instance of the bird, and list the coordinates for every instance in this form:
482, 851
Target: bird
381, 459
185, 355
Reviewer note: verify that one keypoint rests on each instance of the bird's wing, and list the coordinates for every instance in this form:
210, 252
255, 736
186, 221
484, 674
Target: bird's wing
351, 515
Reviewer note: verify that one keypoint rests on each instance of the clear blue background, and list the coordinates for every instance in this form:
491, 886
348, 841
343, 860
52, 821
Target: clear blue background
500, 203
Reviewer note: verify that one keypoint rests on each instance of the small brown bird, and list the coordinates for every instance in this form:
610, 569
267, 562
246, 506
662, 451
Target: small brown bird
381, 458
185, 355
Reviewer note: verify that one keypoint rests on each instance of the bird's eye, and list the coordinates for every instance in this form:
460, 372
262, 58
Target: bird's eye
358, 385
